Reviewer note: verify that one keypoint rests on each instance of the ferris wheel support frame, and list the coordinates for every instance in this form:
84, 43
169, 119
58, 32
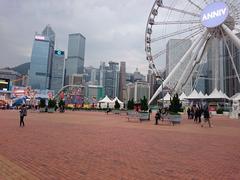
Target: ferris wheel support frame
196, 58
183, 59
232, 36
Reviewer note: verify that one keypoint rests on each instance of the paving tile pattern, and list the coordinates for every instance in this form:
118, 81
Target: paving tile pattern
84, 145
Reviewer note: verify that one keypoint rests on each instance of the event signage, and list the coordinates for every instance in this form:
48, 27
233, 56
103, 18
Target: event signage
214, 14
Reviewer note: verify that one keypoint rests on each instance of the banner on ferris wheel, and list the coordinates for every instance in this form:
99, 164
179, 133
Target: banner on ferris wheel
214, 14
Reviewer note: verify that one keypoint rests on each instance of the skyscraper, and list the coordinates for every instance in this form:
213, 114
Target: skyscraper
41, 59
57, 75
109, 79
176, 48
122, 82
39, 67
76, 55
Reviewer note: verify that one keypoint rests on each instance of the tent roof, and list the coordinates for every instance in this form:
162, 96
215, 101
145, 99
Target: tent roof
194, 95
116, 99
167, 97
183, 96
235, 96
201, 95
217, 95
106, 100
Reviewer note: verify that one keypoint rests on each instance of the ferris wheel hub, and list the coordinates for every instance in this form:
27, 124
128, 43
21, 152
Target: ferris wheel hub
214, 14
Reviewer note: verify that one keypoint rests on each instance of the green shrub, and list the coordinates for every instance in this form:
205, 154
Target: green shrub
175, 105
117, 105
220, 111
130, 104
144, 104
42, 103
51, 103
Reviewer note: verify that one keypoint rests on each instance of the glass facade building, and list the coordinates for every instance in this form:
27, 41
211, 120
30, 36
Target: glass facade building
57, 73
76, 55
39, 67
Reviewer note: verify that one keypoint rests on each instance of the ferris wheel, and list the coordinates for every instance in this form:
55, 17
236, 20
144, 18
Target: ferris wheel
196, 21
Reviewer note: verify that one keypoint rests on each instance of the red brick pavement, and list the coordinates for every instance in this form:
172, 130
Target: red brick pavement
84, 145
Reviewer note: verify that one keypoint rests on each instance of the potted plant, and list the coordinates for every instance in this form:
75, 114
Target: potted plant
61, 105
174, 109
116, 107
130, 107
42, 105
51, 105
144, 114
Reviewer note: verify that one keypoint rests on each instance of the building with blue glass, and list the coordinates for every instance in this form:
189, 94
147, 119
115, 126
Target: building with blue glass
57, 73
76, 55
39, 67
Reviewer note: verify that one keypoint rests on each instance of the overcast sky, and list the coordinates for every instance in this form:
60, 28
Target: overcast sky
114, 29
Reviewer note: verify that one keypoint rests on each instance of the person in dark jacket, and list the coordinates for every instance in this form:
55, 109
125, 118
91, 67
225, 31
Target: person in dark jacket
23, 113
206, 115
157, 116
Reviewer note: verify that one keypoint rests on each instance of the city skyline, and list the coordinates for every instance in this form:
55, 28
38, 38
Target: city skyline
112, 33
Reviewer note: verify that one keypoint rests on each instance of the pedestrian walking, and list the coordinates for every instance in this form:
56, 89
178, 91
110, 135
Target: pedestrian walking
206, 115
157, 117
188, 113
23, 113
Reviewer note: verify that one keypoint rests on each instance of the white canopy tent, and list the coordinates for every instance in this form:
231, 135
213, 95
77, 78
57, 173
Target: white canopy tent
106, 102
235, 97
183, 97
201, 95
167, 97
120, 102
217, 95
194, 95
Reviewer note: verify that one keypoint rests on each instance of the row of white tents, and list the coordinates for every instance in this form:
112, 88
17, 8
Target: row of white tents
108, 103
200, 96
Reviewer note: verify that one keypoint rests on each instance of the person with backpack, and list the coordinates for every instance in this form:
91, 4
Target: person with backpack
23, 113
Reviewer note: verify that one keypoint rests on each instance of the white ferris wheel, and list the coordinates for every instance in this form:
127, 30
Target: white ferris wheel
195, 20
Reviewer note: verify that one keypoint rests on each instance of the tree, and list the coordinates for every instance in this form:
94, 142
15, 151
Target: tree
175, 105
144, 104
117, 105
42, 103
130, 104
51, 103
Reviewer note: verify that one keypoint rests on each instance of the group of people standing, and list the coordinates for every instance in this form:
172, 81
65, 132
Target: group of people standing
196, 113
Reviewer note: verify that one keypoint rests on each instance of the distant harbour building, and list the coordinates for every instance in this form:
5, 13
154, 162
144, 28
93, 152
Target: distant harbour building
95, 92
176, 48
14, 77
138, 90
76, 55
57, 74
109, 78
122, 82
40, 60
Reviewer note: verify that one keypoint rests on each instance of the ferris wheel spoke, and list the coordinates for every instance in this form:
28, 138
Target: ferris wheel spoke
196, 59
231, 57
183, 31
178, 65
163, 51
177, 22
231, 35
181, 11
194, 4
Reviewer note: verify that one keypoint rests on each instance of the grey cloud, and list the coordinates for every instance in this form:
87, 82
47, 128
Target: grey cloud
114, 29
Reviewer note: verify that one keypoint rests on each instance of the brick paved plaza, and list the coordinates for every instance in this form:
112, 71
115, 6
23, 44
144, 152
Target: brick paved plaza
85, 145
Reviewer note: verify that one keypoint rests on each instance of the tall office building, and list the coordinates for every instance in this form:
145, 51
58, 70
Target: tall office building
138, 90
57, 74
176, 48
76, 55
231, 83
39, 67
109, 78
41, 59
122, 82
48, 32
